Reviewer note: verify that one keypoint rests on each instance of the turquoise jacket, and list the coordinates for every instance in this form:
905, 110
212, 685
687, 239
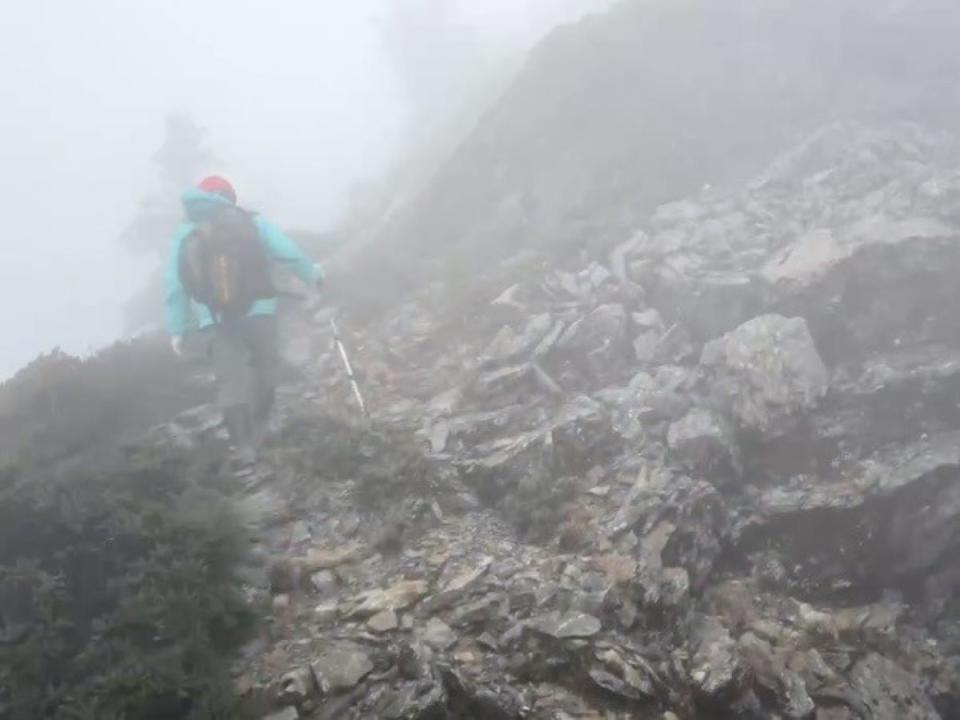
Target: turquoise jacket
182, 314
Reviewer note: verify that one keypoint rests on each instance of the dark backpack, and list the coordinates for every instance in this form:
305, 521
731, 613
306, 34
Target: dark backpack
224, 264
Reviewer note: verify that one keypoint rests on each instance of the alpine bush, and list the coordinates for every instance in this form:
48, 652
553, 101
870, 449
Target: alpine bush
118, 595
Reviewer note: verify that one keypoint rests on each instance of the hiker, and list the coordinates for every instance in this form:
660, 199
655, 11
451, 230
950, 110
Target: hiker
220, 301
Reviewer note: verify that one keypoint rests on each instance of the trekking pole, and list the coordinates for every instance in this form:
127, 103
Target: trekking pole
346, 364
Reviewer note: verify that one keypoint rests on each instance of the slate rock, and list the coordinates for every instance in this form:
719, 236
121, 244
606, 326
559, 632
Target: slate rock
566, 626
594, 345
889, 691
702, 441
383, 622
457, 588
341, 668
715, 668
415, 702
399, 596
477, 613
287, 713
324, 583
326, 614
438, 634
765, 373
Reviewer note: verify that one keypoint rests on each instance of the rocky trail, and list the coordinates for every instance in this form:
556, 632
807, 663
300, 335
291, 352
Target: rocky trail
711, 471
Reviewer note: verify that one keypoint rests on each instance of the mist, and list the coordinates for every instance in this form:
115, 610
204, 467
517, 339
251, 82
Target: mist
632, 387
300, 102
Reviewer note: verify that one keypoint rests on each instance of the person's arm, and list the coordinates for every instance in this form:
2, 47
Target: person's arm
283, 249
178, 315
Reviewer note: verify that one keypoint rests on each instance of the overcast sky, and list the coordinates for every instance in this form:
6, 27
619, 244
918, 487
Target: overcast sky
301, 99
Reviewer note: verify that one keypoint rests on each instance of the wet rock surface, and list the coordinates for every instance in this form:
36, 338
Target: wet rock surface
712, 471
766, 373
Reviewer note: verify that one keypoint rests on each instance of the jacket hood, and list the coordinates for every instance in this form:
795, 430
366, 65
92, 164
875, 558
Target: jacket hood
198, 204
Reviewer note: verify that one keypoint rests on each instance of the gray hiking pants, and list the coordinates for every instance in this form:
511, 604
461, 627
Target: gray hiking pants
245, 361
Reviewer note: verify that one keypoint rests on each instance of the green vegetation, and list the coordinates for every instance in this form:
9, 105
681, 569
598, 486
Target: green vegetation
118, 597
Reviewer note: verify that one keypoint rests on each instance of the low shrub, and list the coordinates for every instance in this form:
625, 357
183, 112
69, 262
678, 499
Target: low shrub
118, 595
117, 591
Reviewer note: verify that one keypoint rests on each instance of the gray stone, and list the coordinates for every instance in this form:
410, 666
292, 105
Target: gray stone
583, 436
298, 686
491, 389
650, 331
798, 704
438, 634
620, 677
325, 614
491, 703
614, 685
645, 346
287, 713
891, 516
300, 533
566, 626
324, 583
594, 345
487, 641
508, 344
715, 668
438, 434
648, 320
477, 613
383, 622
675, 213
598, 275
765, 373
412, 702
549, 340
499, 465
777, 680
664, 506
399, 596
522, 600
341, 668
702, 441
457, 588
652, 397
890, 691
200, 419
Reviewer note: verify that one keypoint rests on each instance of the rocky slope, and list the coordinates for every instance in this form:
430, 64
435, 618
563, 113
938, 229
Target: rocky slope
646, 103
713, 471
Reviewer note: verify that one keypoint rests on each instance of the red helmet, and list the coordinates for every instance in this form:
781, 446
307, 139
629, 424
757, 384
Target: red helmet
219, 186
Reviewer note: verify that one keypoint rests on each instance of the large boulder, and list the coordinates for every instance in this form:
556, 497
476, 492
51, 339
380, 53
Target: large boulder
766, 373
892, 397
889, 691
878, 285
880, 522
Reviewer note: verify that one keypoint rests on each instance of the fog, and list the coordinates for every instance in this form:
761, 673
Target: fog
301, 101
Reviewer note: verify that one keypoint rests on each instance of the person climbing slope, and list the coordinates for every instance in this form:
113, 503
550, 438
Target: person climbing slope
220, 301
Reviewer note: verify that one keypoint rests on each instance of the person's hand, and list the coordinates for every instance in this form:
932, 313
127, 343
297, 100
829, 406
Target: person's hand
176, 343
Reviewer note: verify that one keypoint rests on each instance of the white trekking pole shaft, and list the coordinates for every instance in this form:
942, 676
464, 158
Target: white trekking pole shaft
346, 364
